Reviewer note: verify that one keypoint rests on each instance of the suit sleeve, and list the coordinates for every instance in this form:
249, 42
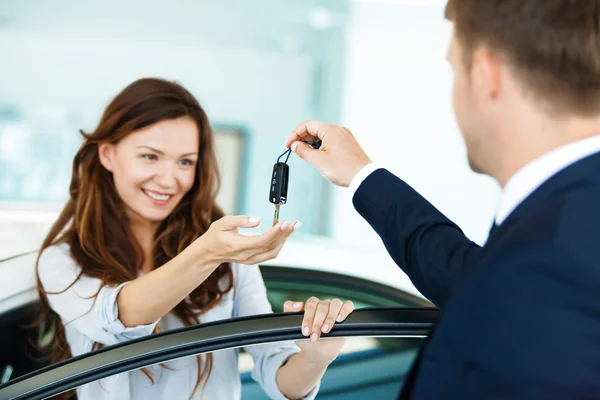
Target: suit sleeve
429, 248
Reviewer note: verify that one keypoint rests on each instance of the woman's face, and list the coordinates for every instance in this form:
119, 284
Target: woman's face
154, 167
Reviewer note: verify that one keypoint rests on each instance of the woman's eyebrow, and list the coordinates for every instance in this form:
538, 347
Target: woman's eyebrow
194, 153
151, 148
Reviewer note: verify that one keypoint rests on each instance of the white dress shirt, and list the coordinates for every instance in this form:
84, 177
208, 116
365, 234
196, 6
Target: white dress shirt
526, 180
88, 321
361, 176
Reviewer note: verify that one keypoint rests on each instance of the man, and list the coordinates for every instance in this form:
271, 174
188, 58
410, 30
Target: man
520, 316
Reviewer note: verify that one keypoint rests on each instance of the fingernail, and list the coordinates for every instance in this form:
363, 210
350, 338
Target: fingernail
325, 328
297, 305
339, 318
297, 225
294, 145
314, 337
254, 220
284, 226
305, 331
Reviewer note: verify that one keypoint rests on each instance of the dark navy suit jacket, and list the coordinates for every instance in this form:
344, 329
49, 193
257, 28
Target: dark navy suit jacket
519, 317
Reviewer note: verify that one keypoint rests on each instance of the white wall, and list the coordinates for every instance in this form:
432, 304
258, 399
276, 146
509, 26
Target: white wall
397, 101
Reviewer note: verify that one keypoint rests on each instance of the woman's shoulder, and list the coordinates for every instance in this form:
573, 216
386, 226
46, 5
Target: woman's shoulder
56, 260
59, 251
56, 250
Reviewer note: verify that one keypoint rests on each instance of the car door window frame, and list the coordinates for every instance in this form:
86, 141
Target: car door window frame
198, 339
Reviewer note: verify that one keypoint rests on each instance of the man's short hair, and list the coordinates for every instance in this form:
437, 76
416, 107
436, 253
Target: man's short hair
552, 45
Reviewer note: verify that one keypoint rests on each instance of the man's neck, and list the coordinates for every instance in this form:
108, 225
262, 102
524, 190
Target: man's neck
527, 179
528, 142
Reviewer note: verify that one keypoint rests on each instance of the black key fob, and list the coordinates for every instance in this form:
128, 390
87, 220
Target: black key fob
279, 183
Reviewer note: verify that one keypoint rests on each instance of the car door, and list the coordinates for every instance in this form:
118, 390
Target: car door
367, 366
379, 374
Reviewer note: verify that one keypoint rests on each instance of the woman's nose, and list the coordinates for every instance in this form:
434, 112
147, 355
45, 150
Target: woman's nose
166, 177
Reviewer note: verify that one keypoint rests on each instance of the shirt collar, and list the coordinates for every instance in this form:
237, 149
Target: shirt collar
526, 180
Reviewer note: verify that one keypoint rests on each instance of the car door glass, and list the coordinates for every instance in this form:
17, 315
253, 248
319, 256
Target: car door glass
18, 356
285, 283
166, 365
367, 367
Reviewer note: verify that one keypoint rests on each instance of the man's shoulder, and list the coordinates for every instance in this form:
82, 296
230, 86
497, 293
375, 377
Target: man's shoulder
578, 220
568, 220
560, 239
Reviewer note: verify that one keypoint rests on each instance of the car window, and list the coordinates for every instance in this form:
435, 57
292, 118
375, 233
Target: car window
285, 283
380, 347
18, 357
368, 367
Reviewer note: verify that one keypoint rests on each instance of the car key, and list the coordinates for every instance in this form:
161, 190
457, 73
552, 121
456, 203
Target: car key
279, 187
280, 179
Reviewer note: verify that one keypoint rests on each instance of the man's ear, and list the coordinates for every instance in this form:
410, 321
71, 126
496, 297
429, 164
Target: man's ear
106, 153
487, 74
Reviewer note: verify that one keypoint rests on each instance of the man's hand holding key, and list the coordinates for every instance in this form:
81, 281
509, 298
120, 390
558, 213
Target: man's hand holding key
340, 157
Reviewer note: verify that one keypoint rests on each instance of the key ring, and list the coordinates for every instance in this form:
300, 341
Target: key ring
288, 152
315, 145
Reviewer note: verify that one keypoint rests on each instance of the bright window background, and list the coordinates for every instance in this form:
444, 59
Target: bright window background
259, 68
397, 101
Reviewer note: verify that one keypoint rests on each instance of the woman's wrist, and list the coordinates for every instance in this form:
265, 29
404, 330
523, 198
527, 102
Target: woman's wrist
314, 359
203, 255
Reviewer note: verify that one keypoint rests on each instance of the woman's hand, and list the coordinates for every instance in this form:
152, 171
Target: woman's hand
226, 244
299, 375
142, 302
319, 317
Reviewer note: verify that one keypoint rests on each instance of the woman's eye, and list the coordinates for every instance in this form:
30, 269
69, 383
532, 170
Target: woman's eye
187, 163
150, 157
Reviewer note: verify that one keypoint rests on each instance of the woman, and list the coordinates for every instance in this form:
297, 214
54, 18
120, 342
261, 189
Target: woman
141, 247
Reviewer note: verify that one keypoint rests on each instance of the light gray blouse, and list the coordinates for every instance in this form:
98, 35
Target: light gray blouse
87, 322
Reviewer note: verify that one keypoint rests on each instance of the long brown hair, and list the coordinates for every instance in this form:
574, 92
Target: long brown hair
94, 224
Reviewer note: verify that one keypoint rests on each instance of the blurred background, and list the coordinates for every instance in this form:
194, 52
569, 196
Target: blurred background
259, 68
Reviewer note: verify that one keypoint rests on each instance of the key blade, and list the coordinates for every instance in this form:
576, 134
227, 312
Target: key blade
276, 215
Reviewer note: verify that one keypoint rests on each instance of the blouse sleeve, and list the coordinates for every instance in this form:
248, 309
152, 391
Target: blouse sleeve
86, 305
